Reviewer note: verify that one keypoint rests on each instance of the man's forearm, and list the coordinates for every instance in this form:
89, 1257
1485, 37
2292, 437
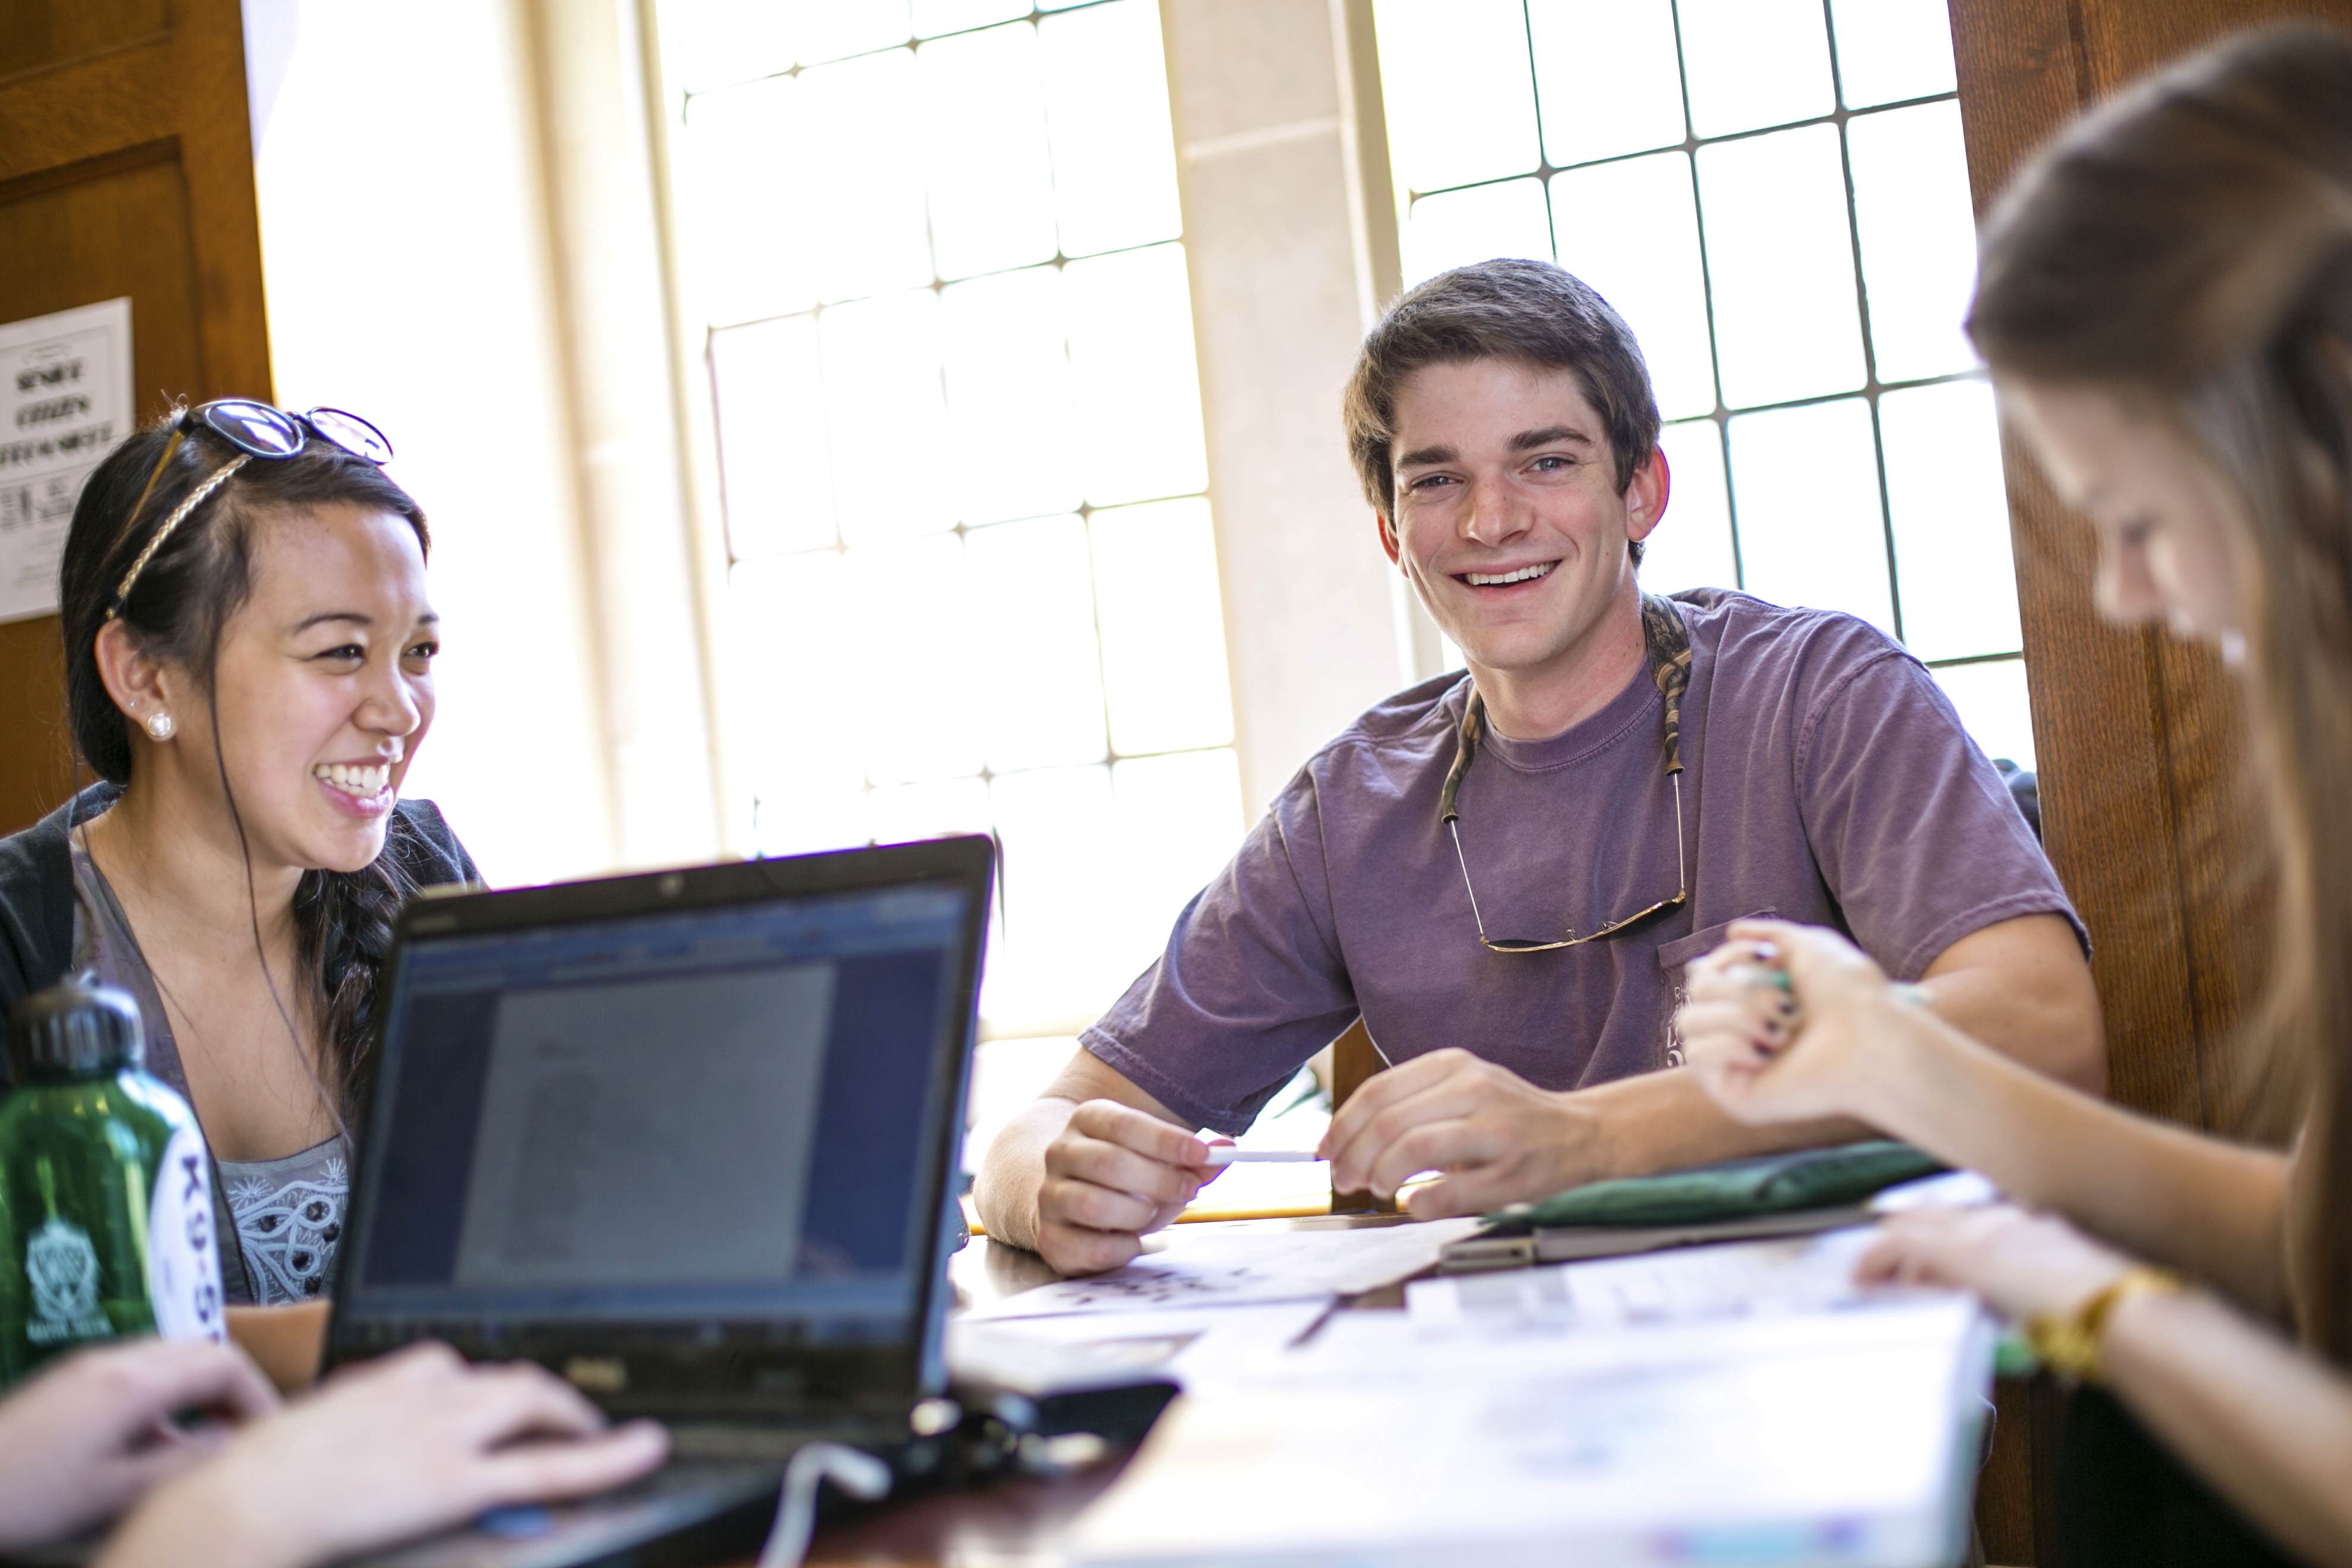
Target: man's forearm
1006, 1190
1664, 1121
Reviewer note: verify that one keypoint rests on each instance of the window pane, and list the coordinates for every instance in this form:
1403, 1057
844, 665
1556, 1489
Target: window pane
1458, 90
1944, 488
1782, 267
933, 17
829, 29
747, 247
904, 812
858, 164
1992, 699
1919, 237
1629, 230
1138, 386
886, 427
789, 614
1810, 532
1180, 820
992, 185
1476, 224
1753, 63
710, 42
774, 481
1107, 110
929, 726
1606, 77
1055, 824
1040, 673
1691, 546
1163, 631
1889, 50
1008, 382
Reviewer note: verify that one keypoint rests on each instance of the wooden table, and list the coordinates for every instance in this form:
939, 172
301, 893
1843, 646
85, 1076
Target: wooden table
1015, 1521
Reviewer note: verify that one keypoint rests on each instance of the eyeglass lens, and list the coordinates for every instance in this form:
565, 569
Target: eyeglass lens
254, 428
352, 433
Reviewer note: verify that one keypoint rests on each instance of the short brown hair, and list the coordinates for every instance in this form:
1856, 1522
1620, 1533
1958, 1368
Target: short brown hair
1534, 312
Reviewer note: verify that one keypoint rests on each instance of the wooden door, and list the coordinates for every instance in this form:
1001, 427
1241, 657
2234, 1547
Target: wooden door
2134, 733
126, 169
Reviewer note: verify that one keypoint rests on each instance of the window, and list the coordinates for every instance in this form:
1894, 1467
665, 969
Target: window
1774, 194
972, 585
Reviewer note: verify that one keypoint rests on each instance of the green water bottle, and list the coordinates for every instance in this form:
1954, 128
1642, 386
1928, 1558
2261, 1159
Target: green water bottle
106, 1215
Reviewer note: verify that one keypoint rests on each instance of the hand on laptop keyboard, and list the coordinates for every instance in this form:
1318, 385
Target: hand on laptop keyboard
83, 1440
391, 1450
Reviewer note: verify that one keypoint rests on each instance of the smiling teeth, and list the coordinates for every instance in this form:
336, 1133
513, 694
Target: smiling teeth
1489, 579
354, 781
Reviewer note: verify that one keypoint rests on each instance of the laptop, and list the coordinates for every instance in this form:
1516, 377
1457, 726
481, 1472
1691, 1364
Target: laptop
689, 1140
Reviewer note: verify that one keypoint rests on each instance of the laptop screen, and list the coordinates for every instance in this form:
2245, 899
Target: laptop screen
695, 1118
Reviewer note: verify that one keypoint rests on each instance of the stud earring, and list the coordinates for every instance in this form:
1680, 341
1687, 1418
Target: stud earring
160, 726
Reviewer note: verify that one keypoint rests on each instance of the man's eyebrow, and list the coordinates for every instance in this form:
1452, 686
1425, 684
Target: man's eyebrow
1420, 454
1528, 440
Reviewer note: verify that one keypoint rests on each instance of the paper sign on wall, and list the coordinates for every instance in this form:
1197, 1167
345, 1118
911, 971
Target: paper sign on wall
65, 401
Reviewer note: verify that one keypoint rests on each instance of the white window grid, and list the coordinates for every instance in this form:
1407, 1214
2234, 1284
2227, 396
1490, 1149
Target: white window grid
1200, 767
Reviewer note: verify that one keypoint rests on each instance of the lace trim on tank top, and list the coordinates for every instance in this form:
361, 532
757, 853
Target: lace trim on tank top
290, 1218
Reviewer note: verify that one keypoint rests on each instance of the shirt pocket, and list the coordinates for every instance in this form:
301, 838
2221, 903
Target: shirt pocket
1699, 943
1674, 956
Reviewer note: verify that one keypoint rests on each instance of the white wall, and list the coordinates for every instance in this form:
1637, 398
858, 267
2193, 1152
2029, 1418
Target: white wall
405, 238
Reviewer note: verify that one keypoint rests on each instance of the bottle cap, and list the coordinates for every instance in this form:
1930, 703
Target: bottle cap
76, 1028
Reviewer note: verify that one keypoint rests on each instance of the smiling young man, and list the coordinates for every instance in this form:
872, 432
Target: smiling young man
1635, 773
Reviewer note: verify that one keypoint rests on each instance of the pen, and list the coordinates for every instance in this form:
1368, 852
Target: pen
1226, 1154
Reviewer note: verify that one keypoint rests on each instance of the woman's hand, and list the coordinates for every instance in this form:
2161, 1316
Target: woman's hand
399, 1448
1765, 1054
92, 1433
2021, 1262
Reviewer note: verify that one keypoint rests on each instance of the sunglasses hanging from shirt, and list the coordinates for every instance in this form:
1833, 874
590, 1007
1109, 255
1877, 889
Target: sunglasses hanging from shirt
1668, 642
255, 430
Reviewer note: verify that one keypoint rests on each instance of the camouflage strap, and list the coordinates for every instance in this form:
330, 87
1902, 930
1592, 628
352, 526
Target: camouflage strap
1668, 642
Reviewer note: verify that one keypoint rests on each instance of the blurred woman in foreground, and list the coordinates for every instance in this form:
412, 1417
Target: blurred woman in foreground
2166, 301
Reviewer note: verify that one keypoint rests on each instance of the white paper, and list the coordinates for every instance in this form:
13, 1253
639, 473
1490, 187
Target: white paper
1195, 1348
65, 388
1692, 1284
1214, 1265
1814, 1439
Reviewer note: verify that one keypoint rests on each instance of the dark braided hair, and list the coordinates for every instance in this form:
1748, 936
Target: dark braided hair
177, 612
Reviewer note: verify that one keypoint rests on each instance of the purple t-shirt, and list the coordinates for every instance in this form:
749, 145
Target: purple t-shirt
1827, 780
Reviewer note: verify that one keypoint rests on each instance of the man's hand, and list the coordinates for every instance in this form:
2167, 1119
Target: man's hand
84, 1439
1113, 1174
1496, 1137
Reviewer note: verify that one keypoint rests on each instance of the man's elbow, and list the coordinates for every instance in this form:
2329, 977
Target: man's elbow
2070, 1039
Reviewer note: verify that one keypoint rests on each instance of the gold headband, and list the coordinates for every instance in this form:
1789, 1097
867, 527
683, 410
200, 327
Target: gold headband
197, 497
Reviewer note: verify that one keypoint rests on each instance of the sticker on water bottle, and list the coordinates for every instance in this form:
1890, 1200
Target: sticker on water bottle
61, 1266
184, 1284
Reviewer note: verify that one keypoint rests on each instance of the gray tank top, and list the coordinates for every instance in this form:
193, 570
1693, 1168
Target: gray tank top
288, 1211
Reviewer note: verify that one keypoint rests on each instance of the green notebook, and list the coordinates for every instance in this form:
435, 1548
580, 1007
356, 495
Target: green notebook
1736, 1189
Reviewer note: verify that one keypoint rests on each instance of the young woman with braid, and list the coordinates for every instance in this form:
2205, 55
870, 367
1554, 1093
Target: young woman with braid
249, 672
2166, 300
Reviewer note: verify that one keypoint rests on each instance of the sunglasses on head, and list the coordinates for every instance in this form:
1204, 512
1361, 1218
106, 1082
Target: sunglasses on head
255, 430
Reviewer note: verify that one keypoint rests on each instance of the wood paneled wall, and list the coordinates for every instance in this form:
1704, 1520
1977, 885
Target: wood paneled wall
126, 168
2136, 735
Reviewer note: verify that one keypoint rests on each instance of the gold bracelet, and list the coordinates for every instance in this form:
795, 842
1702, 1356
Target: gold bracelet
2071, 1343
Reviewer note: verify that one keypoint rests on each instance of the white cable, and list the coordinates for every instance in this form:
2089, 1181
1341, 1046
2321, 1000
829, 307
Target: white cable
859, 1474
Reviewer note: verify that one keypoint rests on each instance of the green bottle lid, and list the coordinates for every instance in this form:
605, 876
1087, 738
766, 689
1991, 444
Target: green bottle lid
76, 1028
